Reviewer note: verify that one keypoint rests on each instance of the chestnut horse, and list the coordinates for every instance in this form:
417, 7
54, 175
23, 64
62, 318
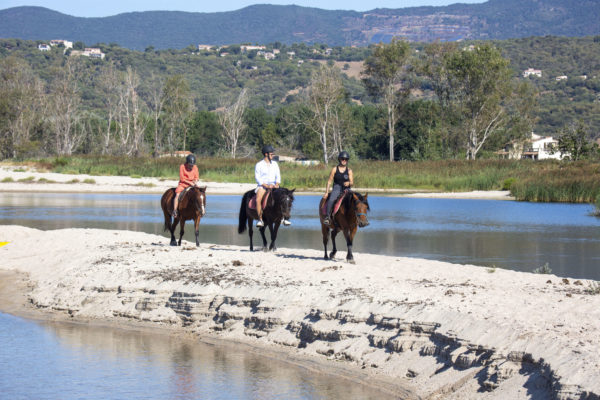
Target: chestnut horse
279, 205
191, 206
351, 215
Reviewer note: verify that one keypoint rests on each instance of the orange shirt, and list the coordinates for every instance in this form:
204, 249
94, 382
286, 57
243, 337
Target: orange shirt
185, 175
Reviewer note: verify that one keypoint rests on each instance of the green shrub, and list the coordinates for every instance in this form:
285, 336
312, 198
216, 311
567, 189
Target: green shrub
60, 162
28, 179
8, 179
89, 180
506, 185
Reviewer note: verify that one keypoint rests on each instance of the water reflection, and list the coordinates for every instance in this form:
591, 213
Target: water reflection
69, 361
505, 234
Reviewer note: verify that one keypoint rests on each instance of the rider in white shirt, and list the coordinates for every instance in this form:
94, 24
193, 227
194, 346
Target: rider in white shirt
267, 176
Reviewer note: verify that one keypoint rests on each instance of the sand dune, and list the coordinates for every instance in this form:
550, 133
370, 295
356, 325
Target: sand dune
437, 330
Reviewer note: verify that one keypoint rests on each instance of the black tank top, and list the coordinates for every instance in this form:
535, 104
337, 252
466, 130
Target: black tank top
339, 178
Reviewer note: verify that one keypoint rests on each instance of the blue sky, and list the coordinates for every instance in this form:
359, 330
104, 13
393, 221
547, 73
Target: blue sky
86, 8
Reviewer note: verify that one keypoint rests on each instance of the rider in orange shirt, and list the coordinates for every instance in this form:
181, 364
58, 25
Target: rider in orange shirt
188, 176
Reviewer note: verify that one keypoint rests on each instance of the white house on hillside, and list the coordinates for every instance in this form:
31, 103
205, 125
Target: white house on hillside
67, 44
531, 71
43, 47
537, 148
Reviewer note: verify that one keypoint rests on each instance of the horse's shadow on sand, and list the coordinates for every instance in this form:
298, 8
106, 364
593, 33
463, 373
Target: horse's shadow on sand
300, 257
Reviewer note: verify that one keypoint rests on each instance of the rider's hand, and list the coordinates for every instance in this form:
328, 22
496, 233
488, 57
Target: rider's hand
325, 195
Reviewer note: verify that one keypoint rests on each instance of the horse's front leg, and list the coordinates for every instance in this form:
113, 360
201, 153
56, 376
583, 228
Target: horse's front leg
274, 229
172, 230
334, 249
181, 224
349, 234
325, 233
197, 227
264, 238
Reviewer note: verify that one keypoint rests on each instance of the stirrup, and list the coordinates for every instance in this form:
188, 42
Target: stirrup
286, 222
326, 221
260, 223
175, 214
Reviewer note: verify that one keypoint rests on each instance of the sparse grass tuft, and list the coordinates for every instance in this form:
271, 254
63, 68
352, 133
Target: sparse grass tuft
89, 180
545, 269
74, 180
44, 180
593, 289
28, 179
145, 184
8, 179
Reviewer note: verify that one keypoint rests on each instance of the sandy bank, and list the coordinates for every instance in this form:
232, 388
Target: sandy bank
14, 179
439, 329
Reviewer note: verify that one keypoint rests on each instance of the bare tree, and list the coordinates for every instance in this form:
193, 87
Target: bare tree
155, 100
64, 108
324, 94
22, 97
132, 125
109, 82
231, 119
177, 107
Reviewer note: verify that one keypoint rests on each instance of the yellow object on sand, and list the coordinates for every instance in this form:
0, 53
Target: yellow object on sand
3, 243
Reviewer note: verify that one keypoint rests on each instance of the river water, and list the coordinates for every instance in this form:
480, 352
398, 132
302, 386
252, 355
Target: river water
505, 234
44, 360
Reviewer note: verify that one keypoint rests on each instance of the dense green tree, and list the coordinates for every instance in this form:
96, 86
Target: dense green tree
386, 71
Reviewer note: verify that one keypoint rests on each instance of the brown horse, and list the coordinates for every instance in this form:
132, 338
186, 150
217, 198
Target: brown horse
351, 215
191, 206
279, 206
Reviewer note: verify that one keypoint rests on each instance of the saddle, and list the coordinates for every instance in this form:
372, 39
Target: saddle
252, 201
336, 205
183, 192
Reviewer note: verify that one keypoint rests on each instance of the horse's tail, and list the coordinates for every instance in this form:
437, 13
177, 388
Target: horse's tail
164, 202
243, 215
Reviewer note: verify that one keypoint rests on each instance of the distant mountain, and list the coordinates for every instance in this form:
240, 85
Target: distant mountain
495, 19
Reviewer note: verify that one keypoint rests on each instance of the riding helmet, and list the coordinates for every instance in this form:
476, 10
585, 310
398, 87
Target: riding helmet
190, 159
267, 149
343, 155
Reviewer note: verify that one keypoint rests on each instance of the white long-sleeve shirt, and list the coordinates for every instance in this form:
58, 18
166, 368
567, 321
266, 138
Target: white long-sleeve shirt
267, 173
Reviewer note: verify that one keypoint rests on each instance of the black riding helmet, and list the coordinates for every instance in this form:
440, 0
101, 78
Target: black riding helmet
267, 149
343, 155
190, 159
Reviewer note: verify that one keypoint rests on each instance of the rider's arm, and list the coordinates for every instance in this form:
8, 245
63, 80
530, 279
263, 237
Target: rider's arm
329, 181
277, 175
258, 174
350, 177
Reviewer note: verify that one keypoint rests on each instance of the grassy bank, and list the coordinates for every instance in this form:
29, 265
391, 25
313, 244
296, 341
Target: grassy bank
549, 181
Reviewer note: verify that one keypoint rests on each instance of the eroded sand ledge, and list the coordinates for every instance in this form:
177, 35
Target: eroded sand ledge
440, 330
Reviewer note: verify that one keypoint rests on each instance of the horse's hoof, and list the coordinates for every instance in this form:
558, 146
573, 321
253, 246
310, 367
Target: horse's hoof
351, 261
326, 258
265, 249
173, 243
331, 255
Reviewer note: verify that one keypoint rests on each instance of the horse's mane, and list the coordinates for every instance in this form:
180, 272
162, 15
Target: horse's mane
348, 200
280, 192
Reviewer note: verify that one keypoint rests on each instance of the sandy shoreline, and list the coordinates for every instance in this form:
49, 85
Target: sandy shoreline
437, 330
66, 183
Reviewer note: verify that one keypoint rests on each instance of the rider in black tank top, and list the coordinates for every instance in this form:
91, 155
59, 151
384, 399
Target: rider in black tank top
340, 177
340, 180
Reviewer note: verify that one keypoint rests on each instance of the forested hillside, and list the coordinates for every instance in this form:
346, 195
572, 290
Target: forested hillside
178, 96
494, 19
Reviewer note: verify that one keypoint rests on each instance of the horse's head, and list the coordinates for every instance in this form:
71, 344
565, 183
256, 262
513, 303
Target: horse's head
284, 198
199, 196
361, 205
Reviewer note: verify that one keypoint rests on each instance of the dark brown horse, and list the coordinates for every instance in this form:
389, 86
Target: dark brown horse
191, 206
279, 205
351, 215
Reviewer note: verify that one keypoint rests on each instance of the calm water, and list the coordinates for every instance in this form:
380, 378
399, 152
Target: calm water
68, 361
507, 234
